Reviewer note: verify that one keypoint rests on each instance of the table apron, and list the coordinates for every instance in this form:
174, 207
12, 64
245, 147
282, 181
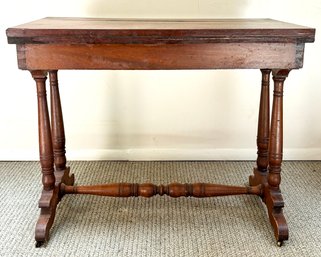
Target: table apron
160, 56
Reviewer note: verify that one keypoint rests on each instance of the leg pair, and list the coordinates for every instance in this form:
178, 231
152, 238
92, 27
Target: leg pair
52, 152
270, 150
265, 181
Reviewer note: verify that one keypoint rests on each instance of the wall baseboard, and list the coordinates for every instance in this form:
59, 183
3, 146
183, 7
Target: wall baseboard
148, 154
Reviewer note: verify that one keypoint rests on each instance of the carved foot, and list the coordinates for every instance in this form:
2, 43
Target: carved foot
48, 203
275, 204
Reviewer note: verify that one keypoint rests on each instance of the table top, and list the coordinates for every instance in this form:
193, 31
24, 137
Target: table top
53, 30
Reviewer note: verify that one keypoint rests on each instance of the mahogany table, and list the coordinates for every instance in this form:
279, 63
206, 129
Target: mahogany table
51, 44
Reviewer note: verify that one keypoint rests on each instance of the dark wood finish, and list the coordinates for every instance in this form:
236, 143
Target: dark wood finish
271, 182
263, 131
58, 131
52, 44
276, 140
134, 31
48, 204
274, 200
174, 190
45, 143
50, 153
264, 123
77, 43
153, 57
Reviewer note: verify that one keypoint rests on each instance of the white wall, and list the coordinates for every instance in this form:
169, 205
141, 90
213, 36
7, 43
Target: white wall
160, 114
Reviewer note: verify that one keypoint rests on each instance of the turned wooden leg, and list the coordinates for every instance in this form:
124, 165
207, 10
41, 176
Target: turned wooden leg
272, 193
45, 143
58, 133
46, 161
262, 161
57, 124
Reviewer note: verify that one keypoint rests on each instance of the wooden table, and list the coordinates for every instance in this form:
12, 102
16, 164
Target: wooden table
51, 44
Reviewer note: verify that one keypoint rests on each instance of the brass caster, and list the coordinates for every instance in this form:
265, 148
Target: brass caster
280, 243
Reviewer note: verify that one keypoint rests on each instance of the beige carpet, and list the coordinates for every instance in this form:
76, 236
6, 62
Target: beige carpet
160, 226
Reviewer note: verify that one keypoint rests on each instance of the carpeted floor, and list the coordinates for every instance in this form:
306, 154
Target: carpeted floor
160, 226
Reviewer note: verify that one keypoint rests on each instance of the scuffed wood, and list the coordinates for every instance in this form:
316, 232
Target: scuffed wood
153, 31
152, 57
299, 55
21, 57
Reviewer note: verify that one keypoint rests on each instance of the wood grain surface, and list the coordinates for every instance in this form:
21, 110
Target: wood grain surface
100, 31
